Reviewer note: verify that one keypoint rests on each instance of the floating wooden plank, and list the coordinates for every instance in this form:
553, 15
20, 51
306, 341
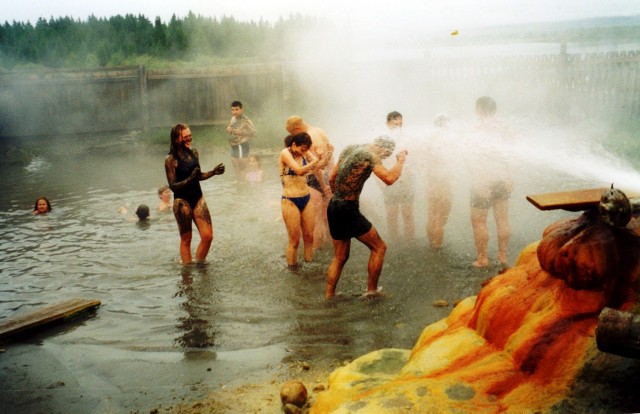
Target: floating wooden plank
45, 315
577, 200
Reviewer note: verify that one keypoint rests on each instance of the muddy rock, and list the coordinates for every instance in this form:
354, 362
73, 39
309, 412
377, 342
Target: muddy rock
293, 392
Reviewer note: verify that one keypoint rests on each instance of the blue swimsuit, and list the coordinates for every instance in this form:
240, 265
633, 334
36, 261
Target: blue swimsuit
300, 202
289, 171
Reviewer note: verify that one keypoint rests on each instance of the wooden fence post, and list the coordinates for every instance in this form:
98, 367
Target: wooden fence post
144, 104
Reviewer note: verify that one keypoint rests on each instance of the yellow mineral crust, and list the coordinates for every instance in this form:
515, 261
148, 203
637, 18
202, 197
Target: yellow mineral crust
515, 348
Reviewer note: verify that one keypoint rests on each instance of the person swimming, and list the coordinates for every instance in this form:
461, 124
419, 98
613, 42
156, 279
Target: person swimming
142, 212
41, 206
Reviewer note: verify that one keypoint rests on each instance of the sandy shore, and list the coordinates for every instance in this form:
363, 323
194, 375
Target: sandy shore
47, 377
52, 377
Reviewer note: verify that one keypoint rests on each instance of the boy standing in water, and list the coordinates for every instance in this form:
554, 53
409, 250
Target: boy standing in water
240, 130
347, 178
440, 155
491, 183
398, 200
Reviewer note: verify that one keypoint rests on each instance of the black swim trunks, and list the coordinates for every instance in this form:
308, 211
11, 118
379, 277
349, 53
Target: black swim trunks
345, 219
240, 150
312, 181
484, 197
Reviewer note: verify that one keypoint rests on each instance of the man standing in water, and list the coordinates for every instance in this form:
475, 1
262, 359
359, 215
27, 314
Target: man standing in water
320, 191
398, 200
347, 178
240, 130
491, 183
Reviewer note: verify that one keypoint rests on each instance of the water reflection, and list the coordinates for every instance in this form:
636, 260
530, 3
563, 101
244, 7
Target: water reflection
143, 224
196, 289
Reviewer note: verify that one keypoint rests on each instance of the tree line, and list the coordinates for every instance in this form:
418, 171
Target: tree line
130, 40
119, 40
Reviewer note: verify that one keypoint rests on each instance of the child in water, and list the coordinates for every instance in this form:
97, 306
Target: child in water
42, 206
254, 170
165, 205
142, 212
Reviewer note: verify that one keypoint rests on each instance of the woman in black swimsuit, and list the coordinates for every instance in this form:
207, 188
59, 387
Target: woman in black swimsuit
182, 166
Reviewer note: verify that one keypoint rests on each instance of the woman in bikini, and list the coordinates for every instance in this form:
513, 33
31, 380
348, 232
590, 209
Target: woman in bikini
299, 216
182, 166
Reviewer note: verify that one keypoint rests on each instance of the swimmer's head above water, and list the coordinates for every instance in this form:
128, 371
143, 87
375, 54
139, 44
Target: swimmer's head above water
142, 212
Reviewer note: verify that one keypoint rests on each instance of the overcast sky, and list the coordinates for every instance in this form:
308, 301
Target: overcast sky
444, 13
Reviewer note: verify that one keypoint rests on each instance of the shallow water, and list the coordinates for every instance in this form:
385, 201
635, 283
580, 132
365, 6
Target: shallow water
244, 300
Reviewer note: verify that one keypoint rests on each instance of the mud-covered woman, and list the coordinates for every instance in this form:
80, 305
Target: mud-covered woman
182, 166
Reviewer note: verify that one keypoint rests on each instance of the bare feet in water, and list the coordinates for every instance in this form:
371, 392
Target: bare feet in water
502, 258
371, 294
480, 263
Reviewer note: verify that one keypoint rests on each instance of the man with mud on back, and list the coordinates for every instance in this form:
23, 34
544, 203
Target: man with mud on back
347, 178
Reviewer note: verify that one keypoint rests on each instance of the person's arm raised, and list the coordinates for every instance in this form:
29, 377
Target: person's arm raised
391, 175
218, 170
288, 160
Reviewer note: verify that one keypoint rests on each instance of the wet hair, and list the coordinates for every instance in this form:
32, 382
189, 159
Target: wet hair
35, 205
485, 105
162, 189
176, 131
441, 120
236, 104
299, 139
293, 122
385, 142
393, 115
142, 211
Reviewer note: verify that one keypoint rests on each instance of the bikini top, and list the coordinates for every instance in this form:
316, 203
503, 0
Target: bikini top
289, 171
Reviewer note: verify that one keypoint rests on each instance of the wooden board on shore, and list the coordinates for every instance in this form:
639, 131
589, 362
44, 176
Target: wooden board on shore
45, 315
577, 200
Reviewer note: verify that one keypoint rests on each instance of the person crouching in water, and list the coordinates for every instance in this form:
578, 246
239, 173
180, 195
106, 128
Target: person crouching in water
182, 166
295, 163
354, 167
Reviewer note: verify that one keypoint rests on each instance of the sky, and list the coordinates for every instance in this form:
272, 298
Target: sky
400, 14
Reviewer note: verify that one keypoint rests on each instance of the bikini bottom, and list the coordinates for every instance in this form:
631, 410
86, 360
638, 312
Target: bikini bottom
300, 202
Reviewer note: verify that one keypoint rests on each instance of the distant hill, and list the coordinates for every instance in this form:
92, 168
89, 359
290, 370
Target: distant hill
592, 30
596, 22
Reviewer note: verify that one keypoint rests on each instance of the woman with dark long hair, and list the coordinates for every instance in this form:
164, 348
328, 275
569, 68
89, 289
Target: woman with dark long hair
296, 161
42, 206
182, 166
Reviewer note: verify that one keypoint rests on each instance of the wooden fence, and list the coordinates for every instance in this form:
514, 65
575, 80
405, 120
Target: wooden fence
116, 99
126, 98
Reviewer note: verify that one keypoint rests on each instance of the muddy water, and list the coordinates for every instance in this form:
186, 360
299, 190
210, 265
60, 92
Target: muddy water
161, 324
